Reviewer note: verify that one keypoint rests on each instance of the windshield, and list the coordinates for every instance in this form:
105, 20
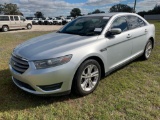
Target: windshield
86, 26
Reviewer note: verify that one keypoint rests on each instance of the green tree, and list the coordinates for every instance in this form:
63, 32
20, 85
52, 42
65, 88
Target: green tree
121, 8
39, 14
155, 10
75, 12
10, 9
96, 11
1, 8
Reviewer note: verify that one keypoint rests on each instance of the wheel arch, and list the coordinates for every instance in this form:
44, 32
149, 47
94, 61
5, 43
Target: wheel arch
6, 25
152, 39
99, 60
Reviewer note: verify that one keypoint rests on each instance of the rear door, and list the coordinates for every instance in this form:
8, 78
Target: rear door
12, 22
118, 46
138, 31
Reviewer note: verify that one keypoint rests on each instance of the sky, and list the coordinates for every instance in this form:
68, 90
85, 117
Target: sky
53, 8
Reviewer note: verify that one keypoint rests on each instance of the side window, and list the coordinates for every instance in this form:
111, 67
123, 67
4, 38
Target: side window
141, 22
16, 18
4, 18
120, 23
22, 18
133, 22
11, 18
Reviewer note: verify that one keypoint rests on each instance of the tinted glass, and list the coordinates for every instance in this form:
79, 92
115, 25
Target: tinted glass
133, 22
120, 23
141, 22
86, 26
11, 18
16, 18
22, 18
4, 18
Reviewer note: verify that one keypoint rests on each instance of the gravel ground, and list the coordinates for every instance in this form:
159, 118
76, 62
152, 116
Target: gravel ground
38, 28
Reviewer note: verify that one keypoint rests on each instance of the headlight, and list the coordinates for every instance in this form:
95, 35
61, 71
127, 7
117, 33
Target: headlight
41, 64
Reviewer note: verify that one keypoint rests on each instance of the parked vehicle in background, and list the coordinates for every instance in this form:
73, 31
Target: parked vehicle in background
48, 21
41, 21
8, 22
81, 53
57, 21
66, 20
35, 21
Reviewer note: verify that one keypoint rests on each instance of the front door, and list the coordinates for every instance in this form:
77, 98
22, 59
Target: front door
119, 47
22, 21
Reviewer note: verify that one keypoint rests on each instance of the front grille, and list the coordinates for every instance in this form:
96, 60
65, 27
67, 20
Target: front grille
18, 64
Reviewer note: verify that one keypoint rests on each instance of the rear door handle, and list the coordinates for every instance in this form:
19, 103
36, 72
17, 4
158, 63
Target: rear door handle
129, 36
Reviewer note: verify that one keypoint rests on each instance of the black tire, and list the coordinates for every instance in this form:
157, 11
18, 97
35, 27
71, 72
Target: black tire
148, 50
5, 28
77, 82
29, 26
54, 23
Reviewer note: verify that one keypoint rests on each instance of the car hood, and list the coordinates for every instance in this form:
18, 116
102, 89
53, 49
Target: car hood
49, 45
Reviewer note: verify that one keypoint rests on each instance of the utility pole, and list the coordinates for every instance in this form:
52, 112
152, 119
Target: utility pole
135, 5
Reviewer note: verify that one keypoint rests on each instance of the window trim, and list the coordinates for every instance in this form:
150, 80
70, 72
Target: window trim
117, 18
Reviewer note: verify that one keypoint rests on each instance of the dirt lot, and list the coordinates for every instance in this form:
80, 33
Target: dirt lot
38, 28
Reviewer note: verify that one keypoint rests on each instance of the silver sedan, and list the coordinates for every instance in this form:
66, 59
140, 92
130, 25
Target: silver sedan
81, 53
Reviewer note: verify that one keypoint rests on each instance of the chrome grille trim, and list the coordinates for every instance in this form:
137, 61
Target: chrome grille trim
19, 64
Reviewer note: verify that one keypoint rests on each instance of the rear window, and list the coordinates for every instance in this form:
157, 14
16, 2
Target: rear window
4, 18
11, 18
132, 22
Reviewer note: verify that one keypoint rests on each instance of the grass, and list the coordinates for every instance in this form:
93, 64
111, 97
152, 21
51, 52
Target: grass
131, 93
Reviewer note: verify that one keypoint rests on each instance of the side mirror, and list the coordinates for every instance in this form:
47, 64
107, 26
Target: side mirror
114, 31
24, 19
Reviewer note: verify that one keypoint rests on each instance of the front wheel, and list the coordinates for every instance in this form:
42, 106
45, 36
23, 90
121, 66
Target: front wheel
148, 50
5, 28
87, 77
29, 26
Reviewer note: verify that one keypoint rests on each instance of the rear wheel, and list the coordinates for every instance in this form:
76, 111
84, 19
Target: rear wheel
148, 50
87, 77
5, 28
29, 26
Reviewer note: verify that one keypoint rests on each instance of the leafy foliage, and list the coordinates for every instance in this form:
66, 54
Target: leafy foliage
39, 14
96, 12
9, 9
1, 8
155, 10
121, 8
75, 12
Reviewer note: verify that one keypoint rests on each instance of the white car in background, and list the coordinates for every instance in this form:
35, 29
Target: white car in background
35, 21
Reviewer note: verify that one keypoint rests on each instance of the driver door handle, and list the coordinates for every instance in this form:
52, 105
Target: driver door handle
129, 36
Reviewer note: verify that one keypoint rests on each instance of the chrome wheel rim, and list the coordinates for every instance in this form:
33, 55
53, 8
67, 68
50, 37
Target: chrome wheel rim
29, 26
5, 29
89, 77
148, 50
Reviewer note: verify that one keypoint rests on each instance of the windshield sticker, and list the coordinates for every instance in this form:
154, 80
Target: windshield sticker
106, 18
97, 29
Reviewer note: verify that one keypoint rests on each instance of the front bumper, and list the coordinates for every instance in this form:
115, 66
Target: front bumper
55, 80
